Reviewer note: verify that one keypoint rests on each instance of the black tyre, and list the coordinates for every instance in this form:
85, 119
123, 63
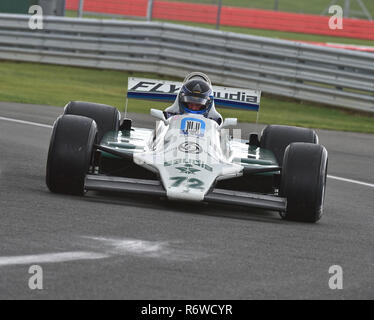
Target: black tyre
106, 117
276, 138
303, 181
70, 154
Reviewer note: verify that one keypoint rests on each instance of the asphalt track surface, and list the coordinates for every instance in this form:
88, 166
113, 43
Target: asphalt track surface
123, 247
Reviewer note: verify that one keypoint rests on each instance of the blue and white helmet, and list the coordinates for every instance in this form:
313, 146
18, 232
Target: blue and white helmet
196, 91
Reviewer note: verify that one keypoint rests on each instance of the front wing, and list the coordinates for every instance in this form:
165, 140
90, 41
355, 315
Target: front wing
154, 187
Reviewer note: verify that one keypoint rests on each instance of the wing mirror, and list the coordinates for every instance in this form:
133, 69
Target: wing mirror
159, 115
229, 122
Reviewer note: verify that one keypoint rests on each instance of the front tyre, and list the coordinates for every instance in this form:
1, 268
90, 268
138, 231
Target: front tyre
303, 181
106, 117
70, 154
276, 138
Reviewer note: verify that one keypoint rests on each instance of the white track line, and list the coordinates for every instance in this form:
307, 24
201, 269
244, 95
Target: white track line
144, 248
371, 185
27, 122
51, 258
107, 248
48, 126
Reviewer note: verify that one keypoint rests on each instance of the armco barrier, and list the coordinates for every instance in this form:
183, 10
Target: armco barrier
231, 16
325, 75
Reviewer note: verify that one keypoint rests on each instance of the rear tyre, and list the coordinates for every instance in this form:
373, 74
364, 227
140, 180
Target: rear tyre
106, 117
70, 154
303, 181
276, 138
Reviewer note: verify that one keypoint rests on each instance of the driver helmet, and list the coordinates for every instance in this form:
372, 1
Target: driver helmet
195, 96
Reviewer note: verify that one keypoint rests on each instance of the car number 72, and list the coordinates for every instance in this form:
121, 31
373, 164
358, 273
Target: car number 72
192, 182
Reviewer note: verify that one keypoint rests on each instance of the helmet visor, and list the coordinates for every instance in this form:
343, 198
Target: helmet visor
195, 100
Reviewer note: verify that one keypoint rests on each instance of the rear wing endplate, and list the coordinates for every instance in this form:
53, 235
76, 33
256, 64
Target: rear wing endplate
166, 91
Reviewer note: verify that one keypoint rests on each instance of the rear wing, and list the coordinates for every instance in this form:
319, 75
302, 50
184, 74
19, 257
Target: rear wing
166, 91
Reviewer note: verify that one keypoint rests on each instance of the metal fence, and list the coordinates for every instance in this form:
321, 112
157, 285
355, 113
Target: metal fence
319, 74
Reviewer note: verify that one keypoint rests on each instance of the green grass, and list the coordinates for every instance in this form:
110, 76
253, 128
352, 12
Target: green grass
56, 85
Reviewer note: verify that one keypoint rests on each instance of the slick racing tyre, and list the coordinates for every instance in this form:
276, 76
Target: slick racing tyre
276, 138
70, 154
303, 181
106, 117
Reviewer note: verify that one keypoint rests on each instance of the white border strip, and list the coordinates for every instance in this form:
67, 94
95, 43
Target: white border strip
366, 184
371, 185
51, 258
27, 122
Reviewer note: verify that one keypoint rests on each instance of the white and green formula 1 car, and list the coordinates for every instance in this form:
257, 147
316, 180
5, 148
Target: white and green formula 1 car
188, 157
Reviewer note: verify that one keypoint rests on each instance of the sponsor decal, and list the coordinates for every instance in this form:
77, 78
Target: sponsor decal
197, 163
193, 126
241, 96
187, 169
190, 147
154, 86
